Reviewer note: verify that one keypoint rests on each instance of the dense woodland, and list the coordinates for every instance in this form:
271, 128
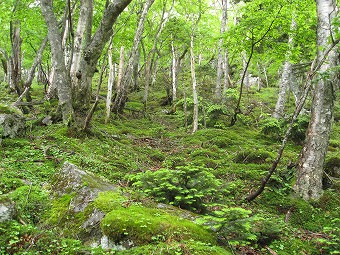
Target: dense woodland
169, 127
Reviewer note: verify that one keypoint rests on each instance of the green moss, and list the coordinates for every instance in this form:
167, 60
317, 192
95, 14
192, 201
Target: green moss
59, 210
142, 225
176, 248
294, 246
6, 109
252, 156
108, 201
9, 184
31, 202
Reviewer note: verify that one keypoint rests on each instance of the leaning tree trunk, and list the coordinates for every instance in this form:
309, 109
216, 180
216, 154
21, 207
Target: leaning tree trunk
310, 166
61, 78
94, 49
122, 90
286, 77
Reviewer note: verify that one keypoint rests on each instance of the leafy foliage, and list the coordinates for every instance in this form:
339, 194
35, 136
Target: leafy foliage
188, 187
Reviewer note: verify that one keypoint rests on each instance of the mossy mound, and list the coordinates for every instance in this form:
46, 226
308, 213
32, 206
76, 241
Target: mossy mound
142, 225
252, 156
175, 248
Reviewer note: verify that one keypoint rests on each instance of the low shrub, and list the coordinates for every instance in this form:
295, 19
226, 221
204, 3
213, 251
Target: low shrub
188, 187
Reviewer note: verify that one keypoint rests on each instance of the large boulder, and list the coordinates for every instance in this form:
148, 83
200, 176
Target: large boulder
82, 188
12, 123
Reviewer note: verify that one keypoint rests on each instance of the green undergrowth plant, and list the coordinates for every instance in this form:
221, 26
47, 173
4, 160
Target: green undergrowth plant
257, 156
187, 187
31, 203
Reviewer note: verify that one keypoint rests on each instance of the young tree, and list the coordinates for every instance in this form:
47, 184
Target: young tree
310, 166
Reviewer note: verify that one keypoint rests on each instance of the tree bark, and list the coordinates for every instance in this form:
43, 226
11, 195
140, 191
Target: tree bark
61, 78
83, 33
94, 49
110, 83
286, 77
194, 86
15, 60
310, 166
29, 80
122, 91
221, 58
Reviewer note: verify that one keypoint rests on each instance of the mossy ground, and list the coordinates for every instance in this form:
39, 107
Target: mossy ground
238, 156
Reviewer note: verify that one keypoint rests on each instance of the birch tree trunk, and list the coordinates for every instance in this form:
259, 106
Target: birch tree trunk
93, 51
286, 79
120, 68
122, 91
110, 83
310, 166
61, 78
194, 86
221, 57
174, 73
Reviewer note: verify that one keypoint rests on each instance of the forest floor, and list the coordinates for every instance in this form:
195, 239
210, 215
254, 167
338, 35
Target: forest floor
155, 157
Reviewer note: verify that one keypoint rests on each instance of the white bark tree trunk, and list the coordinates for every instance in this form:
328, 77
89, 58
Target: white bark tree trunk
110, 83
61, 78
122, 91
85, 21
194, 86
221, 58
174, 73
310, 166
120, 68
286, 78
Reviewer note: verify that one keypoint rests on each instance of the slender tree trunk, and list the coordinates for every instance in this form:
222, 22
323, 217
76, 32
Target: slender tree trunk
61, 78
122, 92
227, 82
286, 78
174, 73
120, 68
110, 83
150, 65
245, 64
15, 60
220, 56
310, 166
29, 80
194, 86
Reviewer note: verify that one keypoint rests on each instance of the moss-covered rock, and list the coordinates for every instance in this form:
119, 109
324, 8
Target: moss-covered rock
142, 225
